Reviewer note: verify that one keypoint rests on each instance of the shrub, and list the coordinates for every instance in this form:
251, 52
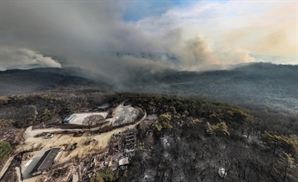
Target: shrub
5, 149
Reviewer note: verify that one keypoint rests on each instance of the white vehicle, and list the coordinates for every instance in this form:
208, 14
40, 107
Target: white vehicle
49, 136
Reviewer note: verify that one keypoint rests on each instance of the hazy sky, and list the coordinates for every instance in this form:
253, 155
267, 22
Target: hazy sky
197, 34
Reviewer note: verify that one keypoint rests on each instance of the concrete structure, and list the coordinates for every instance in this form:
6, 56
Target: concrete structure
130, 138
123, 161
45, 162
78, 118
68, 119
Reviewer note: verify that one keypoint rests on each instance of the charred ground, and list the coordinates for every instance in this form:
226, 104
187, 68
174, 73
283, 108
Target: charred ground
243, 120
191, 139
188, 146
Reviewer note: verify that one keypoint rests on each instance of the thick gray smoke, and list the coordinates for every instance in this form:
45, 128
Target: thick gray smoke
90, 34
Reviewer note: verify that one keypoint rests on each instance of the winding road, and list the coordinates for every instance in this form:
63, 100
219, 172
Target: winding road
29, 133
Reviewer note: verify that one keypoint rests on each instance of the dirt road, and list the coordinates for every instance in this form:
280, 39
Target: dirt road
119, 111
7, 164
60, 140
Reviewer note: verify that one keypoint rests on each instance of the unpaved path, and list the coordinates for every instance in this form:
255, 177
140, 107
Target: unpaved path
5, 167
65, 139
29, 133
60, 140
18, 171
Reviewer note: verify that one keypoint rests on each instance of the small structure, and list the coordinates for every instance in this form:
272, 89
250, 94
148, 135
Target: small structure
68, 119
130, 138
123, 161
45, 162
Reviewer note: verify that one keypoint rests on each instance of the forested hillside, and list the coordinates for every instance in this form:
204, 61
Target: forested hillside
259, 86
39, 79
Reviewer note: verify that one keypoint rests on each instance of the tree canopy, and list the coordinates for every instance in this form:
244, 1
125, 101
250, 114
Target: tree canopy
5, 150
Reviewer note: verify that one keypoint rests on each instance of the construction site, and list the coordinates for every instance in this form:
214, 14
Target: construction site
73, 154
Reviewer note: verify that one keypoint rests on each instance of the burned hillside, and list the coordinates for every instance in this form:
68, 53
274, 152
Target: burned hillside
170, 138
197, 146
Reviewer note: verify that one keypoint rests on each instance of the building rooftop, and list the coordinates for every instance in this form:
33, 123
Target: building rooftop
46, 160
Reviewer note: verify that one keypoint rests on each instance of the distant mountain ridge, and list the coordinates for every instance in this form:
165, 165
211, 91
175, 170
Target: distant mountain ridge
258, 84
37, 79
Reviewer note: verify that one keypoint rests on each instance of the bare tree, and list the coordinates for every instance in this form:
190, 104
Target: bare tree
92, 120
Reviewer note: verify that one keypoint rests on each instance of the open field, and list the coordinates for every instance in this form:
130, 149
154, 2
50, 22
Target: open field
78, 120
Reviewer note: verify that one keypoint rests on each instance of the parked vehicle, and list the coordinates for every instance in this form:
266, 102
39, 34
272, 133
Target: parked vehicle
49, 136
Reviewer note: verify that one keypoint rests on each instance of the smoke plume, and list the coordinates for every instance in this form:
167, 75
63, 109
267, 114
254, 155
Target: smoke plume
95, 36
22, 58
